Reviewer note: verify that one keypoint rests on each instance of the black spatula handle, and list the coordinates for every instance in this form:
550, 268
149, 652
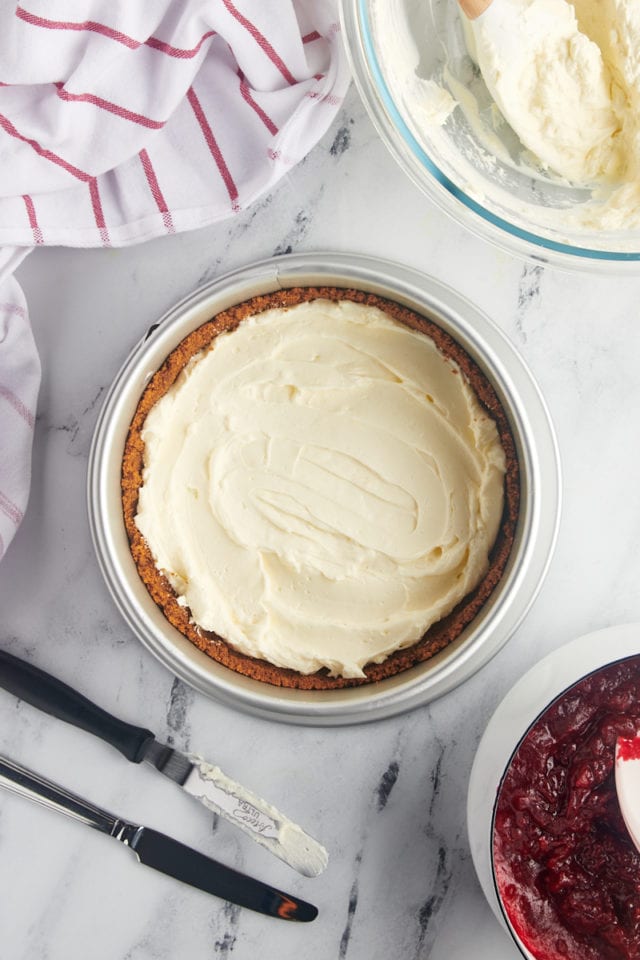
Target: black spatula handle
54, 697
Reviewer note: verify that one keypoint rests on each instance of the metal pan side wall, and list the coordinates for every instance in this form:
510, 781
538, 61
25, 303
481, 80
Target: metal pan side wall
536, 530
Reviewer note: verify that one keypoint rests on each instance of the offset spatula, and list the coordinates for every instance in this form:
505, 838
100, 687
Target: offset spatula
157, 850
207, 783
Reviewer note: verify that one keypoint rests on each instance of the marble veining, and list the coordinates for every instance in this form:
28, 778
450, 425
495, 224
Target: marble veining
387, 783
528, 292
180, 699
352, 906
224, 944
388, 799
295, 235
342, 140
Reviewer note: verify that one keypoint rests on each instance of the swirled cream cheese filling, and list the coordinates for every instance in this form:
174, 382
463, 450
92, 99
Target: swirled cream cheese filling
321, 486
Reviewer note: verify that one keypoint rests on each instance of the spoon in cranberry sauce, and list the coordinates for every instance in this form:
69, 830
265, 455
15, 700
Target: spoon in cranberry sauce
627, 777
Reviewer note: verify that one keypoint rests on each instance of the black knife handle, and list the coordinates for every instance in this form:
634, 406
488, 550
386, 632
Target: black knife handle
54, 697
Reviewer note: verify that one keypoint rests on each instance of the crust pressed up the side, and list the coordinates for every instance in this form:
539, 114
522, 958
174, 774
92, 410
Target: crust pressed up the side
441, 634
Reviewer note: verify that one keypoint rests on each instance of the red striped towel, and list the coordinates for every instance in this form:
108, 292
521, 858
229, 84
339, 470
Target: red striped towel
125, 121
19, 382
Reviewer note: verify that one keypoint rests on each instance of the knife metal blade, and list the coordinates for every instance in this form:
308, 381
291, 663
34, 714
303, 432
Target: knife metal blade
157, 850
203, 781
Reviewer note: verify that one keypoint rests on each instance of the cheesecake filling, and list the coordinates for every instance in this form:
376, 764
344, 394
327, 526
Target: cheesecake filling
568, 81
320, 486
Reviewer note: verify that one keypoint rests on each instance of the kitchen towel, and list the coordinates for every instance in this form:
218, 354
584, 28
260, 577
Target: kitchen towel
121, 121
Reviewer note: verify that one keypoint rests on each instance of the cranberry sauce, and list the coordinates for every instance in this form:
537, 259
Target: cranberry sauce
567, 871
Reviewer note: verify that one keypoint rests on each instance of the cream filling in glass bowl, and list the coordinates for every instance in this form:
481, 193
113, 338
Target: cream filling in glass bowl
321, 486
450, 105
566, 77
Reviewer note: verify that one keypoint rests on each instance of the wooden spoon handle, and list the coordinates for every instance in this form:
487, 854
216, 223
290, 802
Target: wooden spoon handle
473, 8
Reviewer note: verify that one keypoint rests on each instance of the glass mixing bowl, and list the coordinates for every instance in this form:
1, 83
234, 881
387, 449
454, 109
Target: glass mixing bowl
403, 53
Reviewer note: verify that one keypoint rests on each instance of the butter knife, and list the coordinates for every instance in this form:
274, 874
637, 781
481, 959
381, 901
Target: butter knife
207, 783
157, 850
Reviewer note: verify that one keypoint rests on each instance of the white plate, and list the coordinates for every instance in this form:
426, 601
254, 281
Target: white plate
524, 703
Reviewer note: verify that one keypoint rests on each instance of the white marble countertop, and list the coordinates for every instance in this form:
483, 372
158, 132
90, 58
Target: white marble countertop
388, 799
